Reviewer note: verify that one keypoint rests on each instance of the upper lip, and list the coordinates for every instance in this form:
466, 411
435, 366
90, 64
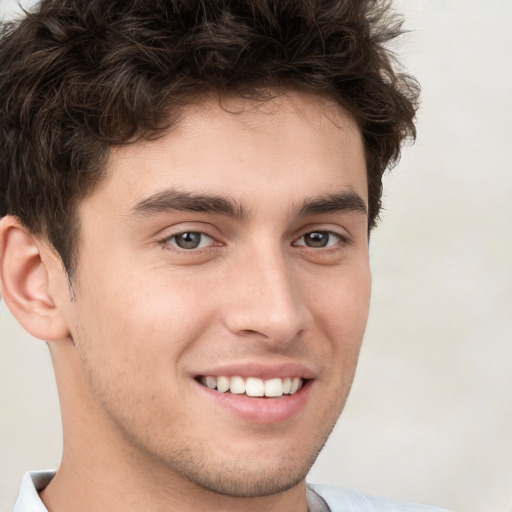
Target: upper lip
260, 370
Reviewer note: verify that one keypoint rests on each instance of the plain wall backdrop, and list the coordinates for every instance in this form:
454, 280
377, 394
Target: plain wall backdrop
430, 415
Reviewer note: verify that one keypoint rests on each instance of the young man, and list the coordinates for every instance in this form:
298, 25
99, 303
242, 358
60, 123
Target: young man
187, 191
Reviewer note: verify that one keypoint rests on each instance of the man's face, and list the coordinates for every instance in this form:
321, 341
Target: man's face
231, 251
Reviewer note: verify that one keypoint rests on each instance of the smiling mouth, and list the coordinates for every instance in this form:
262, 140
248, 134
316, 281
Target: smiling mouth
253, 386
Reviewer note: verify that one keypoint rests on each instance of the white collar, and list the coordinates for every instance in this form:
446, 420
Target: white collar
35, 481
32, 483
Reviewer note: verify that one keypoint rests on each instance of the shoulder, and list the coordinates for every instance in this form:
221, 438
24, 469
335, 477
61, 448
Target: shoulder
339, 499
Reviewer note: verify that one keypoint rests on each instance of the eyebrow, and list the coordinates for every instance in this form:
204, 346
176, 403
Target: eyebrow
348, 201
175, 200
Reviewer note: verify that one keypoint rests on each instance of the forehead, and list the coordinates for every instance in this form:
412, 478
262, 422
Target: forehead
296, 142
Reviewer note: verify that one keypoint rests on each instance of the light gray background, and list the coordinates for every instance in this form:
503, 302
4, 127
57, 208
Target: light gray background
430, 415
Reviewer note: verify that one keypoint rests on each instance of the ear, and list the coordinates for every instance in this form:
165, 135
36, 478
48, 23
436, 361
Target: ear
24, 282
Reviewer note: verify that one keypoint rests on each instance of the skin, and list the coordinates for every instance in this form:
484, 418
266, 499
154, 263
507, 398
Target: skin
146, 317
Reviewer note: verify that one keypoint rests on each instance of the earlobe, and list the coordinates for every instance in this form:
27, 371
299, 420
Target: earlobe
24, 283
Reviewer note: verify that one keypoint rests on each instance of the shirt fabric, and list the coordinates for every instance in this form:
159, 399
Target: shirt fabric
320, 498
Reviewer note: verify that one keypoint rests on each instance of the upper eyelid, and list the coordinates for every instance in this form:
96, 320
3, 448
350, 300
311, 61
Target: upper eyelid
338, 231
213, 232
171, 231
181, 232
329, 231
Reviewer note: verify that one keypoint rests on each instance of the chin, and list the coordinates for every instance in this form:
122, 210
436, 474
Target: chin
248, 482
245, 478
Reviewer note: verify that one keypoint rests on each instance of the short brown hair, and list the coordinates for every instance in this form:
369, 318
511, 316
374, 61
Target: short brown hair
78, 77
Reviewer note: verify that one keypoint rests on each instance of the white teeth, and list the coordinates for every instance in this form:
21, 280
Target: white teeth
211, 382
295, 385
222, 384
253, 386
237, 385
274, 387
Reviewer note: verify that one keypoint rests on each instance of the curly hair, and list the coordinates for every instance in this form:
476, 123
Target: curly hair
78, 77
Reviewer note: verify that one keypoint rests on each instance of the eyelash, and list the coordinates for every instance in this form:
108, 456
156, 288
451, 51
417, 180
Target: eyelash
166, 242
332, 234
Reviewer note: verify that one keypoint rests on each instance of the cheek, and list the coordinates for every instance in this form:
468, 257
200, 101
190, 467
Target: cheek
135, 328
341, 314
343, 302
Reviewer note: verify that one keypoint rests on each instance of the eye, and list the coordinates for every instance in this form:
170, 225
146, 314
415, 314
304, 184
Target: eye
318, 239
190, 240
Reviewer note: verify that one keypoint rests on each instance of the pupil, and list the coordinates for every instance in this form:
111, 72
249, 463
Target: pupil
188, 240
317, 239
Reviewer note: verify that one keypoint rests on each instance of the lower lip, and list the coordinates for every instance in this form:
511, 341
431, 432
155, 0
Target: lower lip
264, 411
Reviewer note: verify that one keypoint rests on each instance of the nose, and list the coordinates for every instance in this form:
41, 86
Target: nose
265, 299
